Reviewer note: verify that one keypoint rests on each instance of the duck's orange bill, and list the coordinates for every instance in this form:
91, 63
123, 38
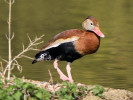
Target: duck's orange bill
98, 32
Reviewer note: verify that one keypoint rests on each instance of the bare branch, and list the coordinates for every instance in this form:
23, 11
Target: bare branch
29, 38
41, 36
34, 49
16, 62
29, 47
12, 67
12, 36
13, 62
5, 70
23, 46
51, 80
9, 40
7, 37
4, 60
27, 57
18, 65
2, 69
12, 1
19, 68
38, 43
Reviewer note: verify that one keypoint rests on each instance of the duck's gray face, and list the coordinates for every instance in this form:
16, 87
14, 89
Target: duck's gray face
91, 24
38, 57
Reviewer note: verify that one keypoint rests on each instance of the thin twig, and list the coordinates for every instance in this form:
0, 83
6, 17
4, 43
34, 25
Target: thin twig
27, 57
34, 49
38, 43
13, 1
6, 36
18, 65
29, 38
4, 60
2, 69
13, 66
12, 36
23, 46
2, 72
51, 80
5, 70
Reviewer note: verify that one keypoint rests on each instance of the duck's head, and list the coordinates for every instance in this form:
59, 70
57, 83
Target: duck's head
91, 24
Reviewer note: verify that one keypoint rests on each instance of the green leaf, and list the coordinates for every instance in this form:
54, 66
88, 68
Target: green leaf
10, 88
18, 82
39, 95
64, 83
17, 95
25, 85
68, 97
100, 95
95, 91
9, 98
1, 84
98, 91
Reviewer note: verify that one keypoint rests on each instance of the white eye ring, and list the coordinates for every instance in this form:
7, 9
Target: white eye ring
42, 55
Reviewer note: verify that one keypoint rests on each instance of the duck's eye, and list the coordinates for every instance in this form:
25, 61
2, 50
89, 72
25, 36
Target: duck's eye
91, 23
42, 55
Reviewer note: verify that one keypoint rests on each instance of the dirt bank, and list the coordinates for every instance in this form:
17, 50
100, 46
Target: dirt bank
109, 93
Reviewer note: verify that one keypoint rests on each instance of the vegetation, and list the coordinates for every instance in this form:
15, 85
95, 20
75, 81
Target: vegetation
16, 89
70, 91
98, 91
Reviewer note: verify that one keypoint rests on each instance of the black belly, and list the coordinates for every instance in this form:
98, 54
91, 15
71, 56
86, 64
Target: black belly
65, 51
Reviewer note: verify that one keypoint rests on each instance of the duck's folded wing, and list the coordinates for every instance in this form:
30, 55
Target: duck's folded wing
63, 37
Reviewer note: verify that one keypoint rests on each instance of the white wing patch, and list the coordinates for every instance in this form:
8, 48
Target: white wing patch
60, 41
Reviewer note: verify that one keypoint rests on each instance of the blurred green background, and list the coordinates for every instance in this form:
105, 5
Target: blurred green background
111, 66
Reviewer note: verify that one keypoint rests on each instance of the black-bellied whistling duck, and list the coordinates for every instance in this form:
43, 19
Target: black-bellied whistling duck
71, 45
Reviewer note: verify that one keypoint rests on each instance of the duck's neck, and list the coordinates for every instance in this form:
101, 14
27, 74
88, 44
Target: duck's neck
94, 33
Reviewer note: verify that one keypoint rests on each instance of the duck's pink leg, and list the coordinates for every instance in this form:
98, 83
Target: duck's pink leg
68, 68
62, 76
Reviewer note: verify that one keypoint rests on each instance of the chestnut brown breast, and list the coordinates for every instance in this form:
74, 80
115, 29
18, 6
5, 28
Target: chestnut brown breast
87, 43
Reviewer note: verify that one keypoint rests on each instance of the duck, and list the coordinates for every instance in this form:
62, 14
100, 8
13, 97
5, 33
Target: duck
71, 45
